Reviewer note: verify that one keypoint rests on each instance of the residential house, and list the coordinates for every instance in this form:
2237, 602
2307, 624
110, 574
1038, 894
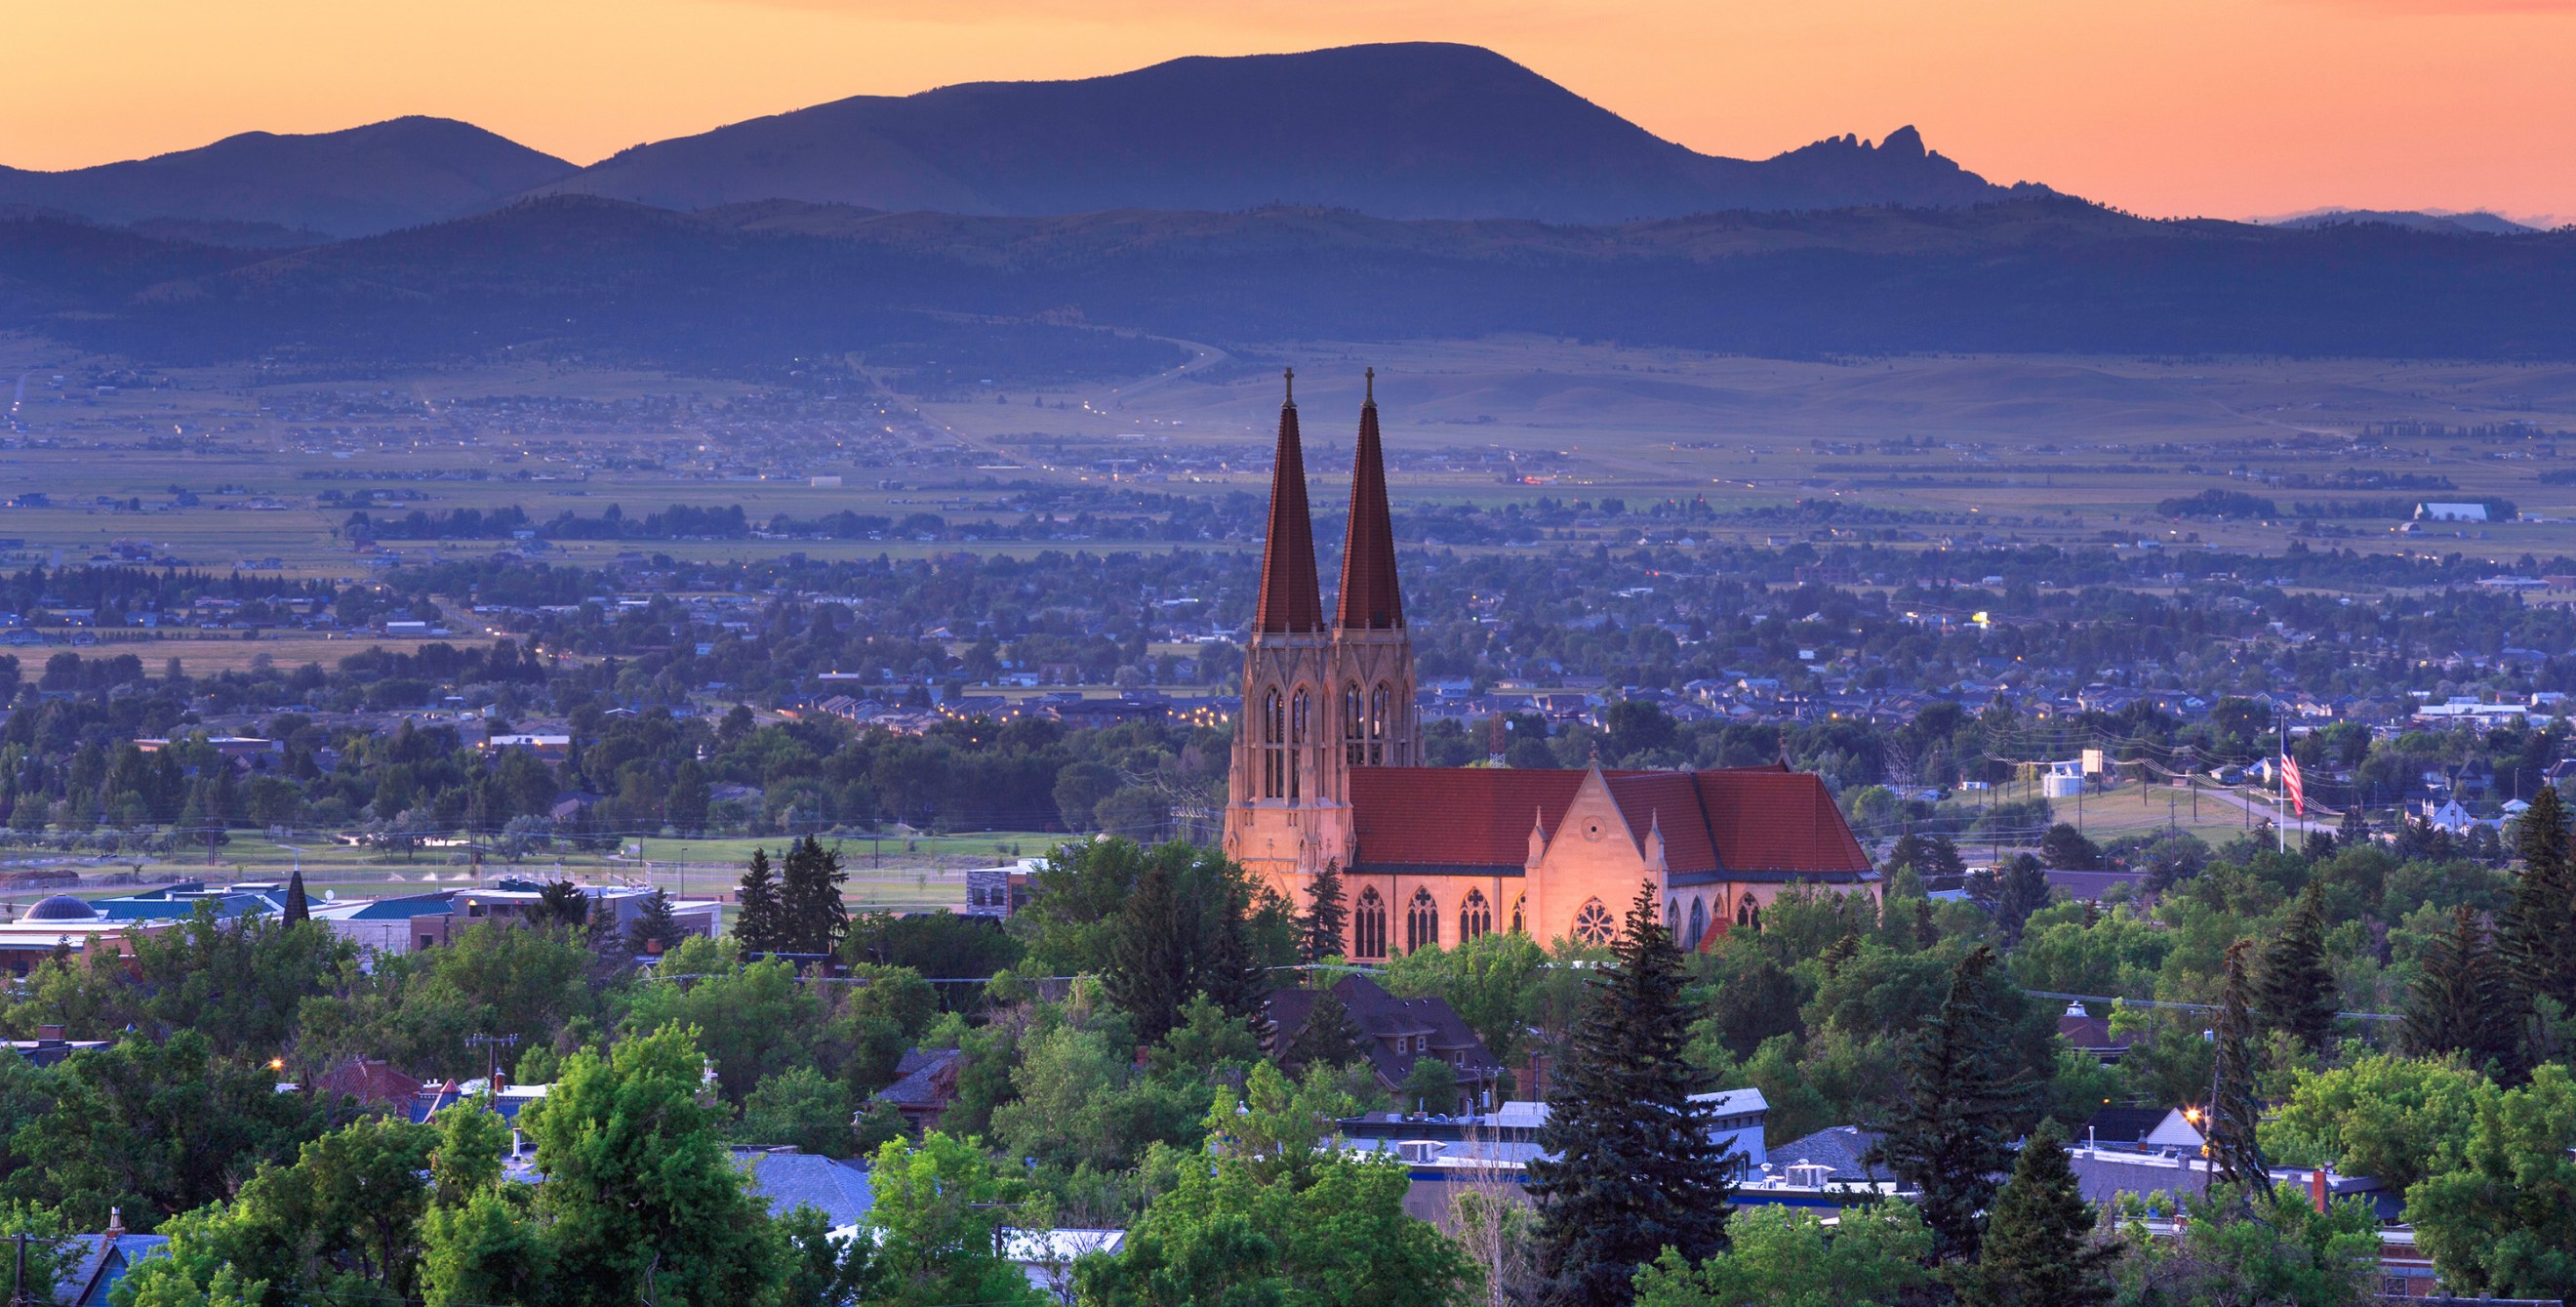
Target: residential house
1394, 1034
925, 1084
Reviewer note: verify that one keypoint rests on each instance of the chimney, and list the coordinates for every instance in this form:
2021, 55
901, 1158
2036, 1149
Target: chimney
115, 1222
2317, 1190
49, 1034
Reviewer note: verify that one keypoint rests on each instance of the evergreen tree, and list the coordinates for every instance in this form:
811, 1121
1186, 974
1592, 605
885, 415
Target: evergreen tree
1329, 1037
2537, 935
562, 903
1949, 1135
812, 913
654, 926
1181, 931
1320, 928
2011, 894
2234, 1154
1631, 1168
2459, 1002
2295, 989
2353, 832
757, 924
2039, 1250
296, 909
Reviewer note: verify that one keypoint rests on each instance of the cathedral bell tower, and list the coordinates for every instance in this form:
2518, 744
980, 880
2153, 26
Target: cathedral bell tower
1286, 811
1375, 721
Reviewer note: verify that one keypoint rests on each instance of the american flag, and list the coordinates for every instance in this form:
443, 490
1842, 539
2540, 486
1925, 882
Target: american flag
2293, 786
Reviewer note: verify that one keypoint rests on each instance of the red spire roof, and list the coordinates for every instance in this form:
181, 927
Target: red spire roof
1370, 597
1291, 597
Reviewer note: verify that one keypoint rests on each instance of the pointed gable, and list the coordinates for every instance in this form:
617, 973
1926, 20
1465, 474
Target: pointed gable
1371, 599
1291, 596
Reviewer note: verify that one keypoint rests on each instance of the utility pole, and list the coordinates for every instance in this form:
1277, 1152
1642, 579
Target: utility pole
493, 1043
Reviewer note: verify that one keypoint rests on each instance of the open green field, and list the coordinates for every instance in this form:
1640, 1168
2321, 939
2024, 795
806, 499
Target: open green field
2047, 449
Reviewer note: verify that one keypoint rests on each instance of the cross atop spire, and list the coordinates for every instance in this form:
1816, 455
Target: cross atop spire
1291, 595
1290, 376
1372, 600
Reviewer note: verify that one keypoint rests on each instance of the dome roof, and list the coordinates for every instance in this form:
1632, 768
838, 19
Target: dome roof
61, 907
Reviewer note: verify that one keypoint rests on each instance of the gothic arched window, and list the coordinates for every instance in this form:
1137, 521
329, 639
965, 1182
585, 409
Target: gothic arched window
1519, 904
1297, 734
1593, 925
1748, 914
1380, 699
1354, 731
1698, 923
1475, 917
1368, 925
1274, 757
1672, 914
1421, 922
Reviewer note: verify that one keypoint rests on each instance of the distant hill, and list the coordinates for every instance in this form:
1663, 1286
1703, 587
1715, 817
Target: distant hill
756, 285
1397, 131
2478, 223
347, 183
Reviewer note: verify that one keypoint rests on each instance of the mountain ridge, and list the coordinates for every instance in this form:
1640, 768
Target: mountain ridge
1406, 130
400, 172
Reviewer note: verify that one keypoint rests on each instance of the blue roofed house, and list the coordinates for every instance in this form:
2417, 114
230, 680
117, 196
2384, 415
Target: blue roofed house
787, 1179
93, 1263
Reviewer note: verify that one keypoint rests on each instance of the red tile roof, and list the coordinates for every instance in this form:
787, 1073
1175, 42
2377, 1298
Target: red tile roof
1748, 820
1291, 598
1371, 599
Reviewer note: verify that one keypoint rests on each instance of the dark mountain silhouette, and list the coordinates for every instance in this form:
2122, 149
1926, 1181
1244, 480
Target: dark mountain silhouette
1397, 131
2479, 223
757, 285
366, 179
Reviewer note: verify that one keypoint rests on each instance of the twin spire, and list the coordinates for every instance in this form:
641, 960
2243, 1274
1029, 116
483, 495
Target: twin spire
1290, 592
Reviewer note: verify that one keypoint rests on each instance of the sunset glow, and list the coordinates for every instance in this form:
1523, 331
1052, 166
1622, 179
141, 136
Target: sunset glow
2219, 107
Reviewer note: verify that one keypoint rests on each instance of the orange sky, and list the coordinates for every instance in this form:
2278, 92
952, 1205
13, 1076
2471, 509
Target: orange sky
2221, 107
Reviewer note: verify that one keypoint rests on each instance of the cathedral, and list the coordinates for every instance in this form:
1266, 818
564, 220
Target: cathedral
1328, 771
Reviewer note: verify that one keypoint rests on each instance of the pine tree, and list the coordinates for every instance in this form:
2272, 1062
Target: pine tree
1329, 1037
2353, 832
2537, 935
2459, 1002
2011, 894
2235, 1156
2039, 1250
562, 903
2295, 988
654, 925
757, 924
1950, 1134
812, 915
1630, 1168
1320, 928
296, 909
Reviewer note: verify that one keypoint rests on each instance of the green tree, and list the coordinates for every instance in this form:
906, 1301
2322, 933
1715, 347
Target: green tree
757, 922
560, 903
1495, 982
655, 929
2294, 988
1632, 1169
1264, 1215
810, 904
2287, 1253
2235, 1150
754, 1021
1949, 1132
641, 1200
1430, 1085
155, 1129
799, 1106
2503, 1222
2393, 1118
2065, 848
1320, 928
2459, 1000
1328, 1038
2039, 1250
1183, 931
936, 1205
2537, 933
1781, 1257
